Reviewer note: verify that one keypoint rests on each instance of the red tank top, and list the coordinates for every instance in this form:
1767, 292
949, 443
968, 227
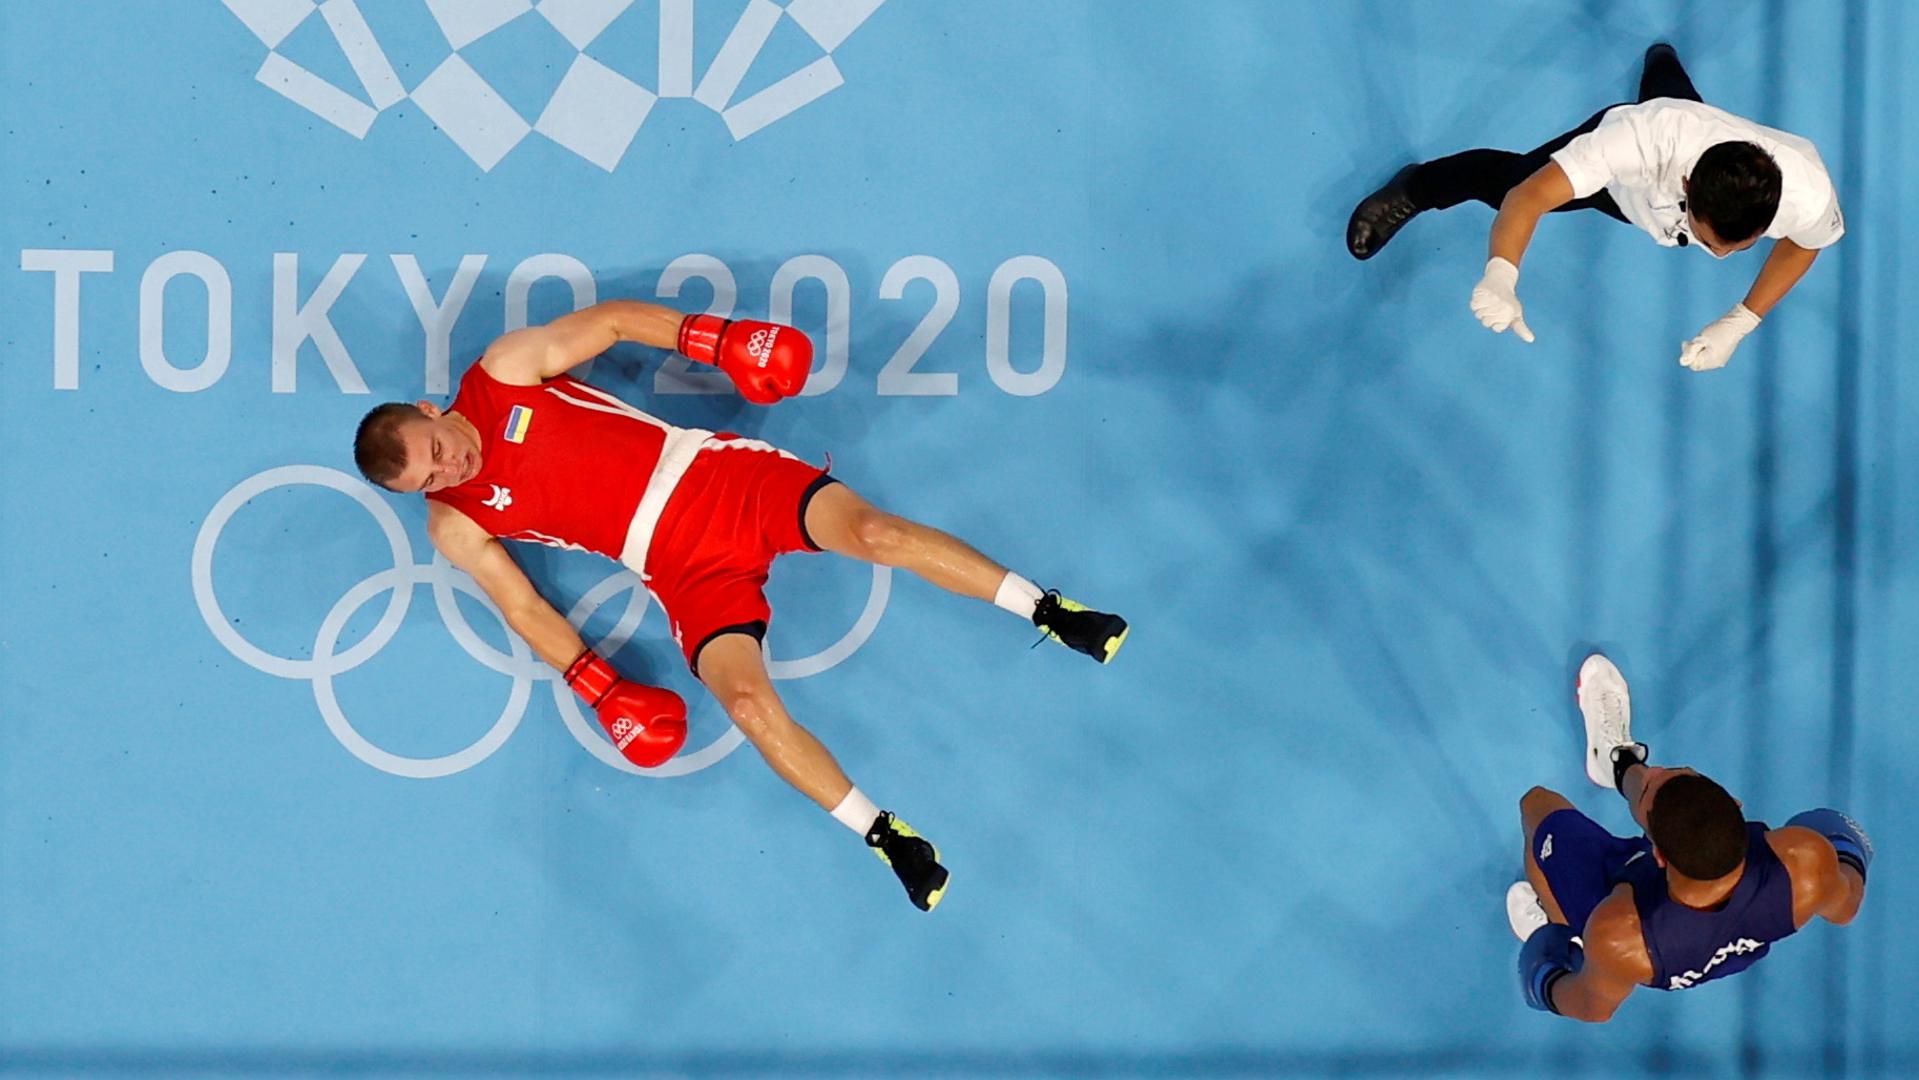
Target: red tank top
569, 466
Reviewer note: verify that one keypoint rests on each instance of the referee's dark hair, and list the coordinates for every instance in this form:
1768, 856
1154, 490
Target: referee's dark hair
1734, 188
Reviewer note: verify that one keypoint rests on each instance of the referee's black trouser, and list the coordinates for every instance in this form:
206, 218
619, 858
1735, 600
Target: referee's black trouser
1487, 175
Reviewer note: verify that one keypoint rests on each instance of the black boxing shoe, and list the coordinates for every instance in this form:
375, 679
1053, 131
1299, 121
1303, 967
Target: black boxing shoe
1079, 627
913, 858
1380, 215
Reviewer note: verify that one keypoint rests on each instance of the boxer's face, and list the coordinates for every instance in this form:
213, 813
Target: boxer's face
440, 453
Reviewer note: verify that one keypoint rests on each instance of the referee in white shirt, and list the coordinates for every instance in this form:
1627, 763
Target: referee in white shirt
1689, 174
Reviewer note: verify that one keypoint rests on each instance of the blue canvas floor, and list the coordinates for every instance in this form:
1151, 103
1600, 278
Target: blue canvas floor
1363, 543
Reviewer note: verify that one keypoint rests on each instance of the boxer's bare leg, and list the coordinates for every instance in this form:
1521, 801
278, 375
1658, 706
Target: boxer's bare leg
840, 521
733, 667
1536, 806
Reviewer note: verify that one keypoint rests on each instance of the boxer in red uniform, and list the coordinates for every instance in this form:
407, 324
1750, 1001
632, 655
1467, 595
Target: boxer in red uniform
526, 452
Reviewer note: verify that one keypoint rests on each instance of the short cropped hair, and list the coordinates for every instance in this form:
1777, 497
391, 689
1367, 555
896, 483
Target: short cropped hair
377, 448
1734, 188
1698, 827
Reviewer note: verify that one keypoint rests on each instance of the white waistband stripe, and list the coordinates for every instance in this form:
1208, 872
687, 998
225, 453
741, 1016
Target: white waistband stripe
682, 447
676, 456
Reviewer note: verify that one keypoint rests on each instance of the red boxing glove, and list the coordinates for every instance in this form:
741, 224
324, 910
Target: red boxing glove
765, 360
648, 724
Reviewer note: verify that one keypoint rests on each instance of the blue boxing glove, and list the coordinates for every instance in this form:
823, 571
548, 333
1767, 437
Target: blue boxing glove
1848, 839
1547, 955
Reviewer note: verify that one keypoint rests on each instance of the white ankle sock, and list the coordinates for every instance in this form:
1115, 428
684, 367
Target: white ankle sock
856, 812
1018, 595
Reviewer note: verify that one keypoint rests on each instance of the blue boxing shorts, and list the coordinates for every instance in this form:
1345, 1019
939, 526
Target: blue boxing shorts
1582, 862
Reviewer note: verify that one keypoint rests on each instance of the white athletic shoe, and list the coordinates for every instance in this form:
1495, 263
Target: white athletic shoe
1607, 707
1523, 910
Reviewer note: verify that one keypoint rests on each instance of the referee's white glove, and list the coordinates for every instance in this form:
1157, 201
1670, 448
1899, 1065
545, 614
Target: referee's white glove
1714, 345
1495, 303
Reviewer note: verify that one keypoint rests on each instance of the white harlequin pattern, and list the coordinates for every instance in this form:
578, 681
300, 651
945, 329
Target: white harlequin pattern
467, 21
595, 111
580, 21
271, 20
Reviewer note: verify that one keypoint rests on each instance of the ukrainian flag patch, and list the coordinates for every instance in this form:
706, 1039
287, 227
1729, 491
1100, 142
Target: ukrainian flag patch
517, 422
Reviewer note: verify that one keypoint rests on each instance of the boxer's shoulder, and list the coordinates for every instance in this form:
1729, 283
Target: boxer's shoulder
1614, 937
451, 529
517, 358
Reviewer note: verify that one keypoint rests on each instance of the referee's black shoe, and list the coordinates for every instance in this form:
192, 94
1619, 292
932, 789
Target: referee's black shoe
1381, 214
1662, 75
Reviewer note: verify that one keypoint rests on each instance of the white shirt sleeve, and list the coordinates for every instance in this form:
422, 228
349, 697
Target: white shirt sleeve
1610, 152
1816, 230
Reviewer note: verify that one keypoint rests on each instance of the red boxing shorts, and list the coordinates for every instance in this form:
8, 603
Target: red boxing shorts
736, 508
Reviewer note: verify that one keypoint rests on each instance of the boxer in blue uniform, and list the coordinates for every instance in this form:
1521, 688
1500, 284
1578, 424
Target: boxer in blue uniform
1703, 894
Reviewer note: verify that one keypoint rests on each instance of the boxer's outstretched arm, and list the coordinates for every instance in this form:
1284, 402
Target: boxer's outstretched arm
468, 547
767, 362
646, 723
531, 356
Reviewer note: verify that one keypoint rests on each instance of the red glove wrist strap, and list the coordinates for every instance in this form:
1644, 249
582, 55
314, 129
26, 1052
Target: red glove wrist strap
591, 677
709, 327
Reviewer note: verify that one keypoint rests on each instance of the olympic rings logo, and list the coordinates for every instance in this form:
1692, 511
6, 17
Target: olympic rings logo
518, 662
